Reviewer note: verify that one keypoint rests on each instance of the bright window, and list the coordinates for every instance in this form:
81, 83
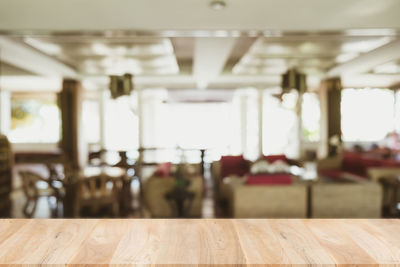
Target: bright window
91, 121
280, 125
121, 124
310, 117
367, 114
35, 119
190, 126
198, 126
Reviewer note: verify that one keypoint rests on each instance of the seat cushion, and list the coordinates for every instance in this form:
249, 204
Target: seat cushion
340, 175
269, 179
368, 162
334, 174
390, 163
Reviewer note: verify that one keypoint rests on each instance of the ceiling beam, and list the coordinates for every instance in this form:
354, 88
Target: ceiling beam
27, 58
242, 46
210, 56
366, 62
188, 82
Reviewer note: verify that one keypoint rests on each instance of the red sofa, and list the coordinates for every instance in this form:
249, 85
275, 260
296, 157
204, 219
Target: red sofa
240, 167
354, 164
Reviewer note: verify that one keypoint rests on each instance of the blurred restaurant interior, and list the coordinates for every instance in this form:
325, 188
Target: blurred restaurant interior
152, 113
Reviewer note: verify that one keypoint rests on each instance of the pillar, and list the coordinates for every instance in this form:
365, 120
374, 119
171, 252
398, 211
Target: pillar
72, 139
330, 99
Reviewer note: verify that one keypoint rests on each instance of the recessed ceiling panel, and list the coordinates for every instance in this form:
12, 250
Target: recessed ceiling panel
106, 56
313, 54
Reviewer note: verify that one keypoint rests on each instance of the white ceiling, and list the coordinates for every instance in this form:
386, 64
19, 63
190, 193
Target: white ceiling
167, 43
154, 15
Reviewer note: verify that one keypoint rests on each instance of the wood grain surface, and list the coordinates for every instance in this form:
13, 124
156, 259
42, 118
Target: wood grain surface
200, 242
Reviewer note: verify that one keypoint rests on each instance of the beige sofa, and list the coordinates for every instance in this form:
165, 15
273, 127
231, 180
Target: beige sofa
155, 188
346, 200
353, 200
266, 201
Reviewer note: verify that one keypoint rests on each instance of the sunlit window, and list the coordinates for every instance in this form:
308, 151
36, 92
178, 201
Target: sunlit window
169, 125
280, 125
34, 119
198, 126
189, 126
310, 117
121, 124
367, 114
91, 121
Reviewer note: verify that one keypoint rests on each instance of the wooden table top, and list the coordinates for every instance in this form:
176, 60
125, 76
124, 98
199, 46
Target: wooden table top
203, 241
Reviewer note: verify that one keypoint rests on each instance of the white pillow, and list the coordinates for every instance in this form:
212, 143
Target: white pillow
279, 166
260, 166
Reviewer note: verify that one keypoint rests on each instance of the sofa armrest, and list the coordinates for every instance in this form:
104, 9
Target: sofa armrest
216, 170
330, 163
376, 173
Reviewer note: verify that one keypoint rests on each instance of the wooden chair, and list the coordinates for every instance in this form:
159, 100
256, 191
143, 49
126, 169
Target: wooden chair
97, 192
33, 192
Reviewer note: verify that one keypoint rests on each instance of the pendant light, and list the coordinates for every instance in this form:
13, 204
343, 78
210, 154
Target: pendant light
121, 85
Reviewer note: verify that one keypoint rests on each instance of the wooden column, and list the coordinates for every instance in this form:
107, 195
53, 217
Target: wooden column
6, 176
72, 140
330, 97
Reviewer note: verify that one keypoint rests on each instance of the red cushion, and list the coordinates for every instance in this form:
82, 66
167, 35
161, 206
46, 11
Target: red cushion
390, 163
233, 165
352, 163
335, 174
368, 163
269, 179
273, 158
163, 169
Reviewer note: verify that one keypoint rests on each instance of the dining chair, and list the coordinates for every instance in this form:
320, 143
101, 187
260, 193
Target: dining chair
34, 186
97, 192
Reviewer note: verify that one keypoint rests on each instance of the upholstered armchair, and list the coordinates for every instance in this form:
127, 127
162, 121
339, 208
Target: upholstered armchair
156, 186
